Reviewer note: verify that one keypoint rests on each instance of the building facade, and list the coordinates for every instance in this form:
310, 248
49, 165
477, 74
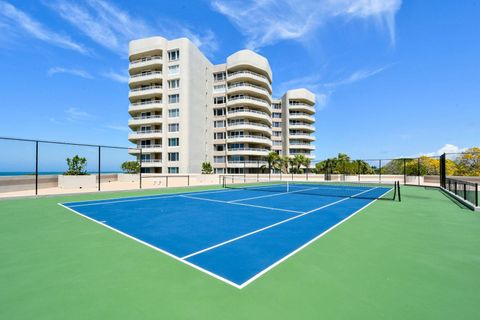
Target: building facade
185, 110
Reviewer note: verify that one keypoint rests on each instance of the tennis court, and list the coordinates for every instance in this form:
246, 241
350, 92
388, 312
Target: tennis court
238, 233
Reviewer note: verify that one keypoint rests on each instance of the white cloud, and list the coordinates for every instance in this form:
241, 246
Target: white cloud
265, 22
118, 128
15, 19
447, 148
323, 90
74, 114
112, 27
75, 72
118, 77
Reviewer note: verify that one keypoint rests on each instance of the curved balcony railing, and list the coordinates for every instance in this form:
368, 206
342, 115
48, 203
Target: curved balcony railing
246, 84
143, 74
146, 59
145, 88
141, 103
147, 117
248, 123
248, 110
231, 74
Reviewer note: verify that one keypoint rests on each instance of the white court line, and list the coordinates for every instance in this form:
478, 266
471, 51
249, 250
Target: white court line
155, 248
270, 226
160, 196
258, 275
239, 204
271, 195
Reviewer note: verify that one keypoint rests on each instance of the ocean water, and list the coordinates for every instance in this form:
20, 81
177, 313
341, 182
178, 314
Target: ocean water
43, 173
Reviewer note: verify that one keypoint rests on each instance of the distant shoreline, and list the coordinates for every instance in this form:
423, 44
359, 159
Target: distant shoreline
44, 173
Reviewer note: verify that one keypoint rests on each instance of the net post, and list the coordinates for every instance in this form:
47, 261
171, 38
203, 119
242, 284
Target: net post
36, 168
399, 193
99, 166
140, 173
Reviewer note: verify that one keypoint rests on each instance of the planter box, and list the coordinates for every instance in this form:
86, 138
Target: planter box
77, 182
128, 177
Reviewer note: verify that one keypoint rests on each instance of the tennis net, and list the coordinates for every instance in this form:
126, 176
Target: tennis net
360, 190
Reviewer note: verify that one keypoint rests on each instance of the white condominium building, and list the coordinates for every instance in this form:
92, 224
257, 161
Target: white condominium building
185, 110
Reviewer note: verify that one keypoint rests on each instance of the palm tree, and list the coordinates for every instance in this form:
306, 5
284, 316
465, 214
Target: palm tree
283, 163
272, 161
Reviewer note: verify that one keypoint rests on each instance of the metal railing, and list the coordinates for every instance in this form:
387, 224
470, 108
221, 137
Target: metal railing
466, 190
141, 103
146, 59
143, 74
146, 88
248, 72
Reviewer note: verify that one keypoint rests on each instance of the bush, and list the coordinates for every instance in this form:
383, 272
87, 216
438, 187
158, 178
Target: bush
131, 167
207, 168
76, 166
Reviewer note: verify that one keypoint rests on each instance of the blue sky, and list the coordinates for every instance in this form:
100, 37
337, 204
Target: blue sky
392, 78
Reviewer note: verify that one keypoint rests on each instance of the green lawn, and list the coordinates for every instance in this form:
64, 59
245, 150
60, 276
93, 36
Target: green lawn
418, 259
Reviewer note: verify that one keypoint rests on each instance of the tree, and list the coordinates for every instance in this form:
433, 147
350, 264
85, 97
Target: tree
131, 167
298, 161
207, 168
272, 161
468, 163
283, 162
76, 166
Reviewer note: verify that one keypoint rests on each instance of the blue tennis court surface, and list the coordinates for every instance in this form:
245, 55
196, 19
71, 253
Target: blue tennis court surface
235, 235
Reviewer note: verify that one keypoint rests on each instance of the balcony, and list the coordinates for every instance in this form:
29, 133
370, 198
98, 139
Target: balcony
246, 164
250, 126
302, 136
151, 105
248, 151
145, 63
151, 148
302, 116
250, 139
145, 77
300, 106
242, 87
302, 146
249, 76
152, 120
151, 163
244, 100
147, 134
145, 92
249, 113
301, 126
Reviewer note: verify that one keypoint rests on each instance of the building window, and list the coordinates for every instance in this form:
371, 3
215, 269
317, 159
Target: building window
173, 55
173, 127
219, 124
219, 112
172, 169
219, 170
276, 124
173, 156
219, 76
173, 142
219, 88
174, 84
173, 98
219, 135
173, 113
219, 100
175, 69
219, 159
277, 133
276, 115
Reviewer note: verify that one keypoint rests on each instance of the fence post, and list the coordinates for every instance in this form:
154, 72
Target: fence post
188, 180
476, 194
443, 171
36, 168
166, 181
258, 169
380, 170
99, 166
464, 191
418, 171
404, 171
